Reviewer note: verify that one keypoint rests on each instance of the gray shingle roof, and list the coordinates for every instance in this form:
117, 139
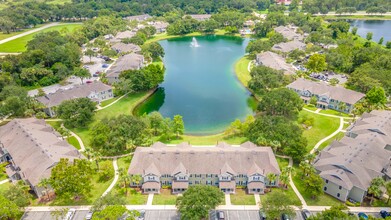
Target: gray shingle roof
200, 17
139, 17
321, 88
35, 147
130, 61
203, 160
274, 61
126, 48
287, 47
288, 33
79, 91
356, 160
125, 34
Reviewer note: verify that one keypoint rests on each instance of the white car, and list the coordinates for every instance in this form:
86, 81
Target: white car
70, 214
89, 215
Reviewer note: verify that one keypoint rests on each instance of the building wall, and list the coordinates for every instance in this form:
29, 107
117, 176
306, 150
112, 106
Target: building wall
357, 194
335, 190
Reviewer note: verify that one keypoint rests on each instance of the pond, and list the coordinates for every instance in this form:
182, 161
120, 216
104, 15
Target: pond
200, 84
377, 27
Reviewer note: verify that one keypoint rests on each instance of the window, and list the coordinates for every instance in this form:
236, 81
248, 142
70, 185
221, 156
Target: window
325, 188
197, 182
340, 187
338, 195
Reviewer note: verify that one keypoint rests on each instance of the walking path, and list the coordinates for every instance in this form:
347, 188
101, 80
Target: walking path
333, 116
227, 199
150, 199
29, 32
116, 175
4, 181
249, 65
258, 200
82, 148
340, 128
101, 108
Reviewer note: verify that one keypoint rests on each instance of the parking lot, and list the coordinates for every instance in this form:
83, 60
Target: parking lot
79, 215
161, 215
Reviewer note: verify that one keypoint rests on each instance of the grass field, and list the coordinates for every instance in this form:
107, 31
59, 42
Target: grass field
241, 70
108, 102
288, 192
73, 141
135, 198
19, 44
241, 198
4, 36
3, 175
4, 186
323, 126
324, 200
164, 198
124, 162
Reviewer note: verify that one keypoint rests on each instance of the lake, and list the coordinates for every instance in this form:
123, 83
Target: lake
377, 27
200, 84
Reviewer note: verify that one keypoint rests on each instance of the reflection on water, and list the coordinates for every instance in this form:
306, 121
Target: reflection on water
379, 28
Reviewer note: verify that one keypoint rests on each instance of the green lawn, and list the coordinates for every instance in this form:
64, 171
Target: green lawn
3, 175
134, 197
322, 200
55, 124
241, 198
288, 192
4, 186
124, 162
164, 36
4, 36
339, 136
109, 101
164, 198
123, 106
357, 17
207, 140
73, 141
19, 44
282, 162
323, 126
241, 70
312, 108
333, 112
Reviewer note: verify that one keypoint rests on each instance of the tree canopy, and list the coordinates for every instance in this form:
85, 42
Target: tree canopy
277, 204
198, 200
76, 112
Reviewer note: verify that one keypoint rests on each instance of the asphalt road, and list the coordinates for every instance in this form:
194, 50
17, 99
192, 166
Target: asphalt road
79, 215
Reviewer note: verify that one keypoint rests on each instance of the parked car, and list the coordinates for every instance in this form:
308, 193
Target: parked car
89, 215
305, 213
142, 215
262, 215
70, 214
105, 65
362, 215
220, 215
88, 81
384, 214
285, 217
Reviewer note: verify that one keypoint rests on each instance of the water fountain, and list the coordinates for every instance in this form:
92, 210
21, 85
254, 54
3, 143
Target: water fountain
194, 43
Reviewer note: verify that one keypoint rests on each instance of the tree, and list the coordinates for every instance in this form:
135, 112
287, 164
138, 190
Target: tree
271, 177
90, 53
335, 212
317, 63
178, 125
314, 184
71, 179
154, 49
313, 100
354, 30
82, 73
281, 102
388, 190
334, 81
155, 121
19, 194
376, 95
381, 40
114, 212
278, 128
45, 183
276, 204
305, 168
76, 112
369, 36
388, 45
375, 189
59, 213
136, 179
198, 200
8, 209
264, 79
342, 106
284, 176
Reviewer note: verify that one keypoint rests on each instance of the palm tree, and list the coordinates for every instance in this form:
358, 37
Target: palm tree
96, 155
271, 177
388, 189
342, 106
45, 182
376, 188
284, 177
88, 152
305, 167
125, 178
136, 179
310, 158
